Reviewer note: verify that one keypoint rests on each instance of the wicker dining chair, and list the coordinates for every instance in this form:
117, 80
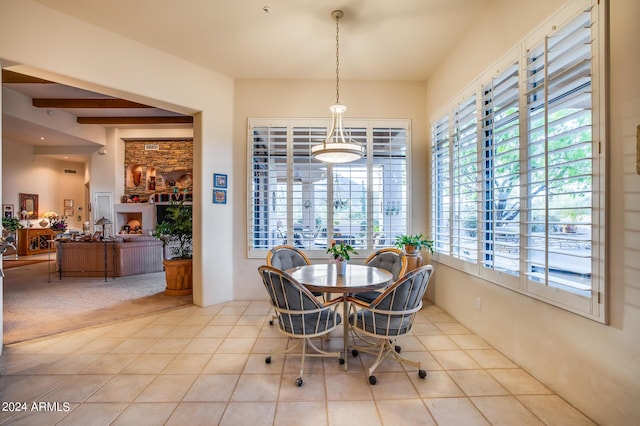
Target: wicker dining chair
390, 316
300, 315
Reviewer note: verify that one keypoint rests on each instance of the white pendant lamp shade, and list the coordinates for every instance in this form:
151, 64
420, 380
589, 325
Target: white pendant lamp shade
337, 148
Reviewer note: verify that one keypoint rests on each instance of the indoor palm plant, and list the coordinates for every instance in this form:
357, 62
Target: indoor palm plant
176, 231
411, 243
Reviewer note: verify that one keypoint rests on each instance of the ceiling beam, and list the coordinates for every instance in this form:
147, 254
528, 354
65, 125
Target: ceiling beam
185, 119
85, 103
14, 77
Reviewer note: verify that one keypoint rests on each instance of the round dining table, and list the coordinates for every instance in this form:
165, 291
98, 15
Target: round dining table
357, 278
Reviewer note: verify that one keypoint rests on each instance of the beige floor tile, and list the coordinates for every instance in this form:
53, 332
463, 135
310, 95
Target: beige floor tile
257, 387
169, 345
393, 385
469, 341
101, 346
232, 310
93, 414
28, 388
197, 414
167, 388
425, 329
155, 331
224, 320
553, 410
187, 364
518, 381
226, 364
428, 362
452, 328
455, 412
260, 310
312, 365
312, 389
196, 319
249, 413
477, 383
148, 364
388, 364
256, 364
77, 388
68, 364
437, 384
203, 345
266, 345
135, 345
109, 364
348, 413
407, 412
435, 343
241, 345
145, 414
122, 388
210, 388
490, 358
347, 387
215, 331
505, 410
251, 331
255, 320
297, 413
185, 331
455, 360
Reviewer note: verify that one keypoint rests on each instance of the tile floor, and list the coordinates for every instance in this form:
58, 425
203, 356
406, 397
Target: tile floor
205, 366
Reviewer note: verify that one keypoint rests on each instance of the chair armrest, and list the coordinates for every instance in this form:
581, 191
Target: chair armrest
334, 301
357, 302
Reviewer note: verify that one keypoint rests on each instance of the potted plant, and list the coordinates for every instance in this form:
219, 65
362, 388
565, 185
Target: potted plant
176, 231
341, 254
11, 224
411, 243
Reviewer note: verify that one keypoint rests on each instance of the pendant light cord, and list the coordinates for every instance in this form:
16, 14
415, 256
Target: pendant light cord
337, 59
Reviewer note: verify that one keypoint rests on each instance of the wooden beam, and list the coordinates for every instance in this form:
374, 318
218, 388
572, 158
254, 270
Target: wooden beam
185, 119
14, 77
85, 103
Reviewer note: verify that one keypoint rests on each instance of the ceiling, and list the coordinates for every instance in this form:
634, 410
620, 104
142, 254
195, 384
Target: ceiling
271, 39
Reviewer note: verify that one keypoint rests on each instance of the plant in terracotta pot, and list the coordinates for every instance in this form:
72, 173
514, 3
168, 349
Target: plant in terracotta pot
176, 231
411, 243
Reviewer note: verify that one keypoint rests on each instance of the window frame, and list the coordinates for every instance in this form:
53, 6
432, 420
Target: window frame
368, 125
593, 307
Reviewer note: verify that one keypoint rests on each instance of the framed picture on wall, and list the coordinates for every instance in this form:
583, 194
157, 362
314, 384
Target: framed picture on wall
219, 180
219, 196
68, 202
7, 210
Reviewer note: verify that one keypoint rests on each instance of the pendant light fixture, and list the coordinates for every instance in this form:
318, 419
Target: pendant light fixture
337, 148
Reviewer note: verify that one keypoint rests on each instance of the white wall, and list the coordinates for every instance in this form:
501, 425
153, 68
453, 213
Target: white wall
121, 67
311, 99
28, 173
595, 367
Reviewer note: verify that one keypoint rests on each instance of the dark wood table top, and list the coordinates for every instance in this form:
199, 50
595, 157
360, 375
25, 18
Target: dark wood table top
358, 278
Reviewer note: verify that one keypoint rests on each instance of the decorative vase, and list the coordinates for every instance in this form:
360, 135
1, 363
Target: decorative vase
341, 267
43, 223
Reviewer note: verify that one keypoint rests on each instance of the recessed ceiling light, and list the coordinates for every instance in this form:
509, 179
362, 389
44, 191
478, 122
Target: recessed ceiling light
42, 138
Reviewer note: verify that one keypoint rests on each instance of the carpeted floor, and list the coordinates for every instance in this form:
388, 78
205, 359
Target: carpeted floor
35, 307
15, 263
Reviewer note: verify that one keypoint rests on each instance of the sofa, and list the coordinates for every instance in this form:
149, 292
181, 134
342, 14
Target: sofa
114, 258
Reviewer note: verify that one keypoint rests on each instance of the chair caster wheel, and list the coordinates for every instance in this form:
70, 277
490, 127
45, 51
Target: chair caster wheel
398, 349
373, 380
270, 322
341, 361
422, 374
299, 381
355, 352
268, 360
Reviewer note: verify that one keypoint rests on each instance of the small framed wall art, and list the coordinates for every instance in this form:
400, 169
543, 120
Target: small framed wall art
219, 196
219, 180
